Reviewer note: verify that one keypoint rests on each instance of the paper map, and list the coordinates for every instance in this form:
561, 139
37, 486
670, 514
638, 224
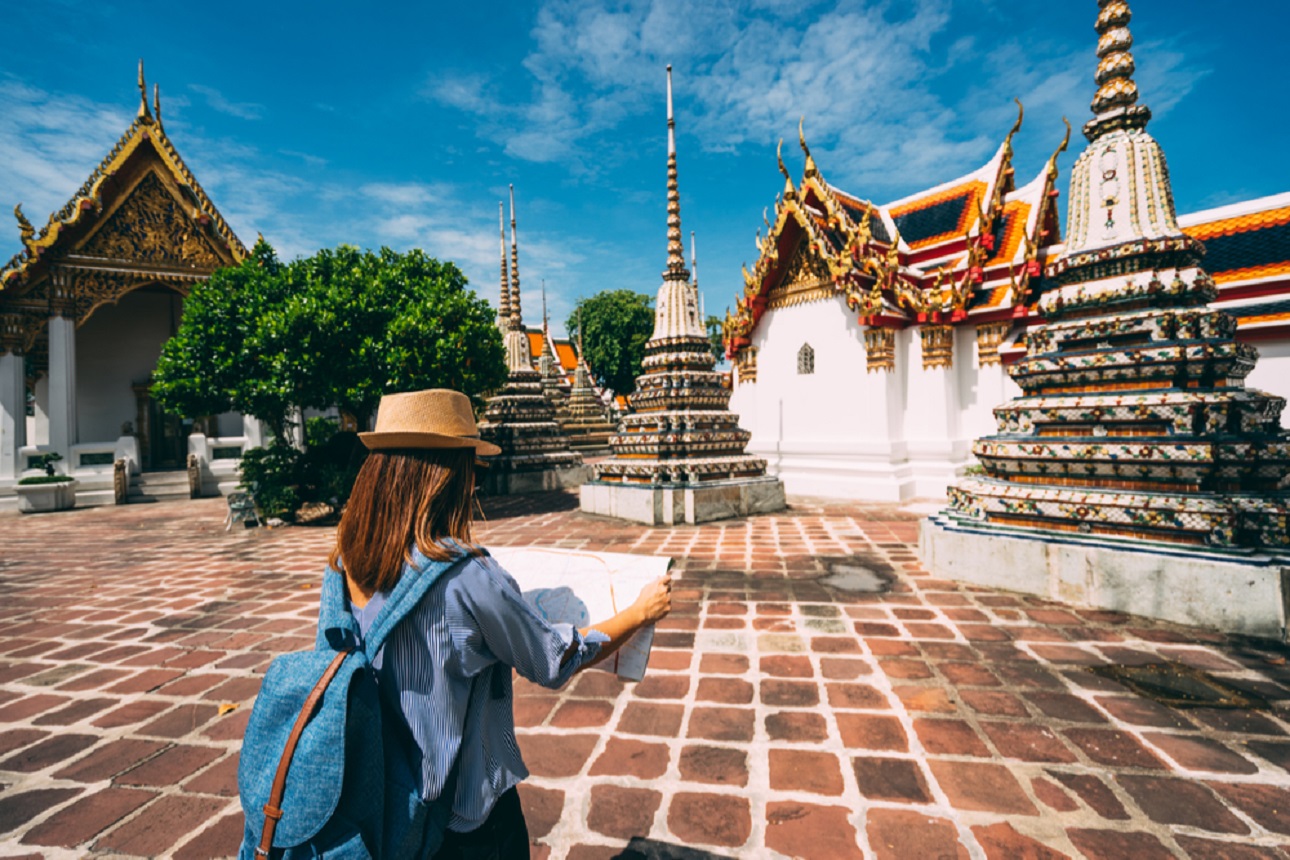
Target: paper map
581, 588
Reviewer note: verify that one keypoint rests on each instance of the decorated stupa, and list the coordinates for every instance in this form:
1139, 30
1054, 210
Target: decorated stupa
586, 418
520, 419
679, 456
554, 385
1136, 471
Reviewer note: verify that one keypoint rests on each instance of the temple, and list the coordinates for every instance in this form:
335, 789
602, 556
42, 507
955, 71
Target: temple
520, 419
586, 417
872, 342
1136, 470
679, 457
85, 307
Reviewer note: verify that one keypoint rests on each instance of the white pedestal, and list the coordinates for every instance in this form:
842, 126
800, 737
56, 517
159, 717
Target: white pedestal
673, 505
1235, 593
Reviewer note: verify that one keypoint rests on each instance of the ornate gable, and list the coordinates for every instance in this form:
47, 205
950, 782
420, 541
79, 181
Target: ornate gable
150, 226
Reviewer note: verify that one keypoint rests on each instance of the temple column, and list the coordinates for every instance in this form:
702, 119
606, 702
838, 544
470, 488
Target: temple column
62, 385
13, 413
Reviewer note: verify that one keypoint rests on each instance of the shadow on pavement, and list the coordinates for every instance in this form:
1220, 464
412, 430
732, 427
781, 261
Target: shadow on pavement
651, 849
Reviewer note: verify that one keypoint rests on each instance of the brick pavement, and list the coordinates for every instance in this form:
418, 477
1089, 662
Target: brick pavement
781, 716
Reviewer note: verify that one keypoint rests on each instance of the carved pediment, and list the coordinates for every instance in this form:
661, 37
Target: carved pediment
152, 227
806, 278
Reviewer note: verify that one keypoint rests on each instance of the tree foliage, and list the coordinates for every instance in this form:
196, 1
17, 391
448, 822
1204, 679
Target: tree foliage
615, 325
337, 329
716, 344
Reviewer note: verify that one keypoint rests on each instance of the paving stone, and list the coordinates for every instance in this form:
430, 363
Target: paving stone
1118, 845
994, 703
179, 721
556, 755
726, 691
221, 779
648, 718
1094, 792
131, 713
221, 839
717, 765
900, 835
1027, 742
949, 737
709, 819
789, 694
1175, 801
981, 786
1212, 849
628, 757
16, 809
1268, 805
47, 753
1199, 753
1137, 711
855, 696
582, 713
722, 664
1114, 748
1052, 795
86, 818
170, 767
660, 686
161, 825
896, 779
1277, 753
622, 812
796, 727
801, 770
871, 732
786, 666
13, 739
810, 831
110, 759
1002, 842
925, 699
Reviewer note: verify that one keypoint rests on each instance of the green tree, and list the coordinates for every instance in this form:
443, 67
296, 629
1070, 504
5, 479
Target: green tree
615, 324
714, 338
339, 328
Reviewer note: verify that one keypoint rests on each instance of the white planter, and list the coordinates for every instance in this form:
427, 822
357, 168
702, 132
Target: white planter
39, 498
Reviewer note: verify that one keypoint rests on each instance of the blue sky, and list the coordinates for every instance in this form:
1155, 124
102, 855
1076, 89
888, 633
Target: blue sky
402, 123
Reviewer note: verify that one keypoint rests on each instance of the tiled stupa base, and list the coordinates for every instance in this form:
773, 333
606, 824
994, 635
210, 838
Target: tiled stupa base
1245, 592
680, 503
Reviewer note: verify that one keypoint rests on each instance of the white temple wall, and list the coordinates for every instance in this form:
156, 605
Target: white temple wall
1272, 372
116, 347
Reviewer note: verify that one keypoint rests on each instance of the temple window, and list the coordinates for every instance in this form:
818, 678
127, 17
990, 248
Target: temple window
805, 360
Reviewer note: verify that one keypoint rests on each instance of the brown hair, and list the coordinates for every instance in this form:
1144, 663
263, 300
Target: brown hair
401, 497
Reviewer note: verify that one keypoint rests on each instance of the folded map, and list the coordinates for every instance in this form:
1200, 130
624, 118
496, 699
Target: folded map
582, 588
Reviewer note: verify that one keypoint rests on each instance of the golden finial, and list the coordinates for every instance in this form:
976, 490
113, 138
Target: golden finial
25, 230
1051, 169
779, 158
801, 139
1016, 126
1115, 105
144, 113
156, 103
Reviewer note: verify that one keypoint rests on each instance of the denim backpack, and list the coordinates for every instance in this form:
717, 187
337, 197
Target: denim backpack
352, 785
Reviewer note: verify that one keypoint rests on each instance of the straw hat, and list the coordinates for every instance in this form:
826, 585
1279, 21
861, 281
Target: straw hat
435, 418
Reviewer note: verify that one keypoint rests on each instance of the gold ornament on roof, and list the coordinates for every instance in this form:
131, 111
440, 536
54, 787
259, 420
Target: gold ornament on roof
25, 230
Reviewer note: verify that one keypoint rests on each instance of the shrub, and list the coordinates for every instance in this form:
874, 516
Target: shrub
273, 475
45, 479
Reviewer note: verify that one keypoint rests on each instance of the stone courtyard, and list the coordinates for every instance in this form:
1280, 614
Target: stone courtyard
814, 694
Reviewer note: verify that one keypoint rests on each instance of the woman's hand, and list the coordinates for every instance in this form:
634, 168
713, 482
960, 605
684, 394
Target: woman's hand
655, 600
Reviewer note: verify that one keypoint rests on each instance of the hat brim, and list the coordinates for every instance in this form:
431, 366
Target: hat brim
375, 441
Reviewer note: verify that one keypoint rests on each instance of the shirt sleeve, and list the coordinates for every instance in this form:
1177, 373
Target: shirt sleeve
496, 624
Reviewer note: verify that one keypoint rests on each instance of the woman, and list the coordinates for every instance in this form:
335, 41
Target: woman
448, 664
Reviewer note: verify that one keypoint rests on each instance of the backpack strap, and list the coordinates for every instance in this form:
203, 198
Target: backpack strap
413, 585
273, 807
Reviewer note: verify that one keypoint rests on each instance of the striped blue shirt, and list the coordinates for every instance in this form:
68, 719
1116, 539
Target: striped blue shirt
450, 660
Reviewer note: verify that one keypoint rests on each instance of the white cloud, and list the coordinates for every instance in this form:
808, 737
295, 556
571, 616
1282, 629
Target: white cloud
217, 101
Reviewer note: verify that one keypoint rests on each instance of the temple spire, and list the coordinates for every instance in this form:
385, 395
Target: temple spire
144, 112
1115, 105
156, 103
504, 307
694, 263
517, 319
675, 249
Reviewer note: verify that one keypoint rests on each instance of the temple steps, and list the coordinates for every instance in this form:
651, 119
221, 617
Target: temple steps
158, 487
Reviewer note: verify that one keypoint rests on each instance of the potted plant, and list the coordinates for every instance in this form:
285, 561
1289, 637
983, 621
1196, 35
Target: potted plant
48, 492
